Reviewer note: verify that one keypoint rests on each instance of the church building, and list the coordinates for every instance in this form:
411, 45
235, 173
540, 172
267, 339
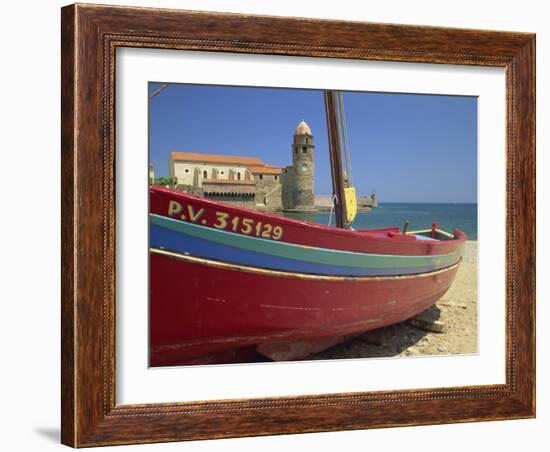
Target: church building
249, 181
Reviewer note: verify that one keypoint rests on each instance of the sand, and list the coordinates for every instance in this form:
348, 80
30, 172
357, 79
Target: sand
456, 310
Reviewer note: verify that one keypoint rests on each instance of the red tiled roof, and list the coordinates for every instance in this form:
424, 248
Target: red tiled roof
212, 158
253, 164
264, 169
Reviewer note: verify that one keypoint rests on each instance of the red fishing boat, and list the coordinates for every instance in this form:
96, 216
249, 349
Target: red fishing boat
229, 283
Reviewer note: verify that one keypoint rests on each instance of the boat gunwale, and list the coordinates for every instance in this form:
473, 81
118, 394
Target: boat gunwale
460, 236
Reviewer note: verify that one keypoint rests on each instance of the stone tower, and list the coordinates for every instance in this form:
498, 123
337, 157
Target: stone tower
299, 181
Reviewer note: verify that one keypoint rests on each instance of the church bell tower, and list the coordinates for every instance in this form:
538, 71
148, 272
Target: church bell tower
303, 169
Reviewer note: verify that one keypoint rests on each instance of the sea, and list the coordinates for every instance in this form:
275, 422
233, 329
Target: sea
448, 216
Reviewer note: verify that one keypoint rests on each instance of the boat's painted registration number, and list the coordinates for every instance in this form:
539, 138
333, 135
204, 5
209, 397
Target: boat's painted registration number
225, 221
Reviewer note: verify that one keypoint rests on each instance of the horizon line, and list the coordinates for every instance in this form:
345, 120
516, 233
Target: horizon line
427, 202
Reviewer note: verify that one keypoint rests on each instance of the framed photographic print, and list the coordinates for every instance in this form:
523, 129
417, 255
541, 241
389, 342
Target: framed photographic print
281, 225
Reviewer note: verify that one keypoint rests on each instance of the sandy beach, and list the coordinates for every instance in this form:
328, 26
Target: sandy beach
455, 313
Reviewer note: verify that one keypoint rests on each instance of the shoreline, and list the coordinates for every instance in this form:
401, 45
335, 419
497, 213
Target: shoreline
456, 310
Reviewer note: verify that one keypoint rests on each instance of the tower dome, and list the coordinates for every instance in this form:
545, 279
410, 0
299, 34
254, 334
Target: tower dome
302, 129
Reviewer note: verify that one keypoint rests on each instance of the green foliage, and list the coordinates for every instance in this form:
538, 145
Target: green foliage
164, 181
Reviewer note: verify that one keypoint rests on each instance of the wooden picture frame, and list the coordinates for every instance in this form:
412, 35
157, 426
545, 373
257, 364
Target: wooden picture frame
90, 36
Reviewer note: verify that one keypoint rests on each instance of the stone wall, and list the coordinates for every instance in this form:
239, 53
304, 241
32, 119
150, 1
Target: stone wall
215, 188
269, 192
287, 184
241, 201
239, 196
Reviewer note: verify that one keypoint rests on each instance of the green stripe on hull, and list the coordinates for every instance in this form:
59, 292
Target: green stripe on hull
305, 253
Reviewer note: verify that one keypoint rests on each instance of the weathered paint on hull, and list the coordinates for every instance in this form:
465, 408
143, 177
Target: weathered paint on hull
200, 308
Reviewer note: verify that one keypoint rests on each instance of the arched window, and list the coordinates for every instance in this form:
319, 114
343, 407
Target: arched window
238, 176
205, 174
304, 150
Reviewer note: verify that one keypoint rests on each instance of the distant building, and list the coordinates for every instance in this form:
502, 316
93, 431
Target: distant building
248, 181
364, 203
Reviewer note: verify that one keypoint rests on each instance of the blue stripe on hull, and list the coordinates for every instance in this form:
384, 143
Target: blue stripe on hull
181, 243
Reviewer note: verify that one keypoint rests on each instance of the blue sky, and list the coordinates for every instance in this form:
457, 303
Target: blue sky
408, 147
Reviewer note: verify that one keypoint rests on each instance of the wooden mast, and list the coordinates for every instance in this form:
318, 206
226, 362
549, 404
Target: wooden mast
335, 151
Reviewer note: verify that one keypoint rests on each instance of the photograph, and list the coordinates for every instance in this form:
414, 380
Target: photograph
292, 224
283, 221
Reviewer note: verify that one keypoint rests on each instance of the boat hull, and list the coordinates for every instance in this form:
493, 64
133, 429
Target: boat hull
202, 309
